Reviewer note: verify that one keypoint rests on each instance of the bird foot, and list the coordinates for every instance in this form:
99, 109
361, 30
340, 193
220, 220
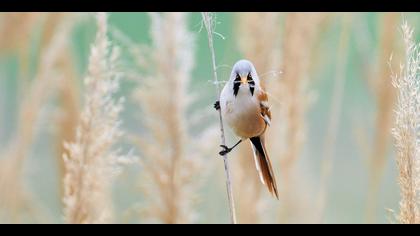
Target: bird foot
217, 105
225, 150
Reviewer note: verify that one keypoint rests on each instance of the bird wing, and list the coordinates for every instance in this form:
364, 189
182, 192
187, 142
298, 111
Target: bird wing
265, 109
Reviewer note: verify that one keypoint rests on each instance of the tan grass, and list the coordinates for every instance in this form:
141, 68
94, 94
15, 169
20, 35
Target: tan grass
15, 200
68, 111
17, 26
93, 162
336, 107
172, 166
17, 29
289, 125
385, 95
405, 131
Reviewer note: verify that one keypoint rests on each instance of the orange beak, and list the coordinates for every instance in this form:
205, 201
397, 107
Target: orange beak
244, 80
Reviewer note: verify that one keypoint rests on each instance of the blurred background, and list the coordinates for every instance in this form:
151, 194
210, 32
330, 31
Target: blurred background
328, 76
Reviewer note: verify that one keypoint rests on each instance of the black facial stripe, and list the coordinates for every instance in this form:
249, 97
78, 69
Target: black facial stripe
236, 84
251, 83
236, 88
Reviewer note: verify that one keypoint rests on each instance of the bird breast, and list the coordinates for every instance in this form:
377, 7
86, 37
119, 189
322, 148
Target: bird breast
242, 113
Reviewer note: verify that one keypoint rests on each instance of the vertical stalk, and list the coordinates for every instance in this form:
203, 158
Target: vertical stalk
208, 23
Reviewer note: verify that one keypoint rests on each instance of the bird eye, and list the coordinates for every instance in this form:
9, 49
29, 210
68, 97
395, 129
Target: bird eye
237, 79
249, 77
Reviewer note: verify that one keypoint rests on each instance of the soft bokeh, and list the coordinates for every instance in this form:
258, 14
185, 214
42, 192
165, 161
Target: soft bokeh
330, 88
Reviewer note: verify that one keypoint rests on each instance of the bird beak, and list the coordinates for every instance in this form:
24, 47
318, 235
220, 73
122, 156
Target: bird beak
244, 80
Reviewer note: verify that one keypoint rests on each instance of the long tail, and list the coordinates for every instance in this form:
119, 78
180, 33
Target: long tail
263, 164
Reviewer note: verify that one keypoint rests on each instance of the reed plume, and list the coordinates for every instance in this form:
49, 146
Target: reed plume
172, 167
15, 199
68, 112
406, 127
261, 46
92, 161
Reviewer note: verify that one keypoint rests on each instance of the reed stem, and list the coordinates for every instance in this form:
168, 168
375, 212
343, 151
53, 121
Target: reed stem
208, 23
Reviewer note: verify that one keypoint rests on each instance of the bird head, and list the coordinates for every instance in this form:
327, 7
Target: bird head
244, 75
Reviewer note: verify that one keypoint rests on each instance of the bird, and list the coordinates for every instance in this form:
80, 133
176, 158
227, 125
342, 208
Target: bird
244, 106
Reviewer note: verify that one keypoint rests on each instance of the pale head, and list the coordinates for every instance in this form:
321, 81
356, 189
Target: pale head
243, 68
244, 76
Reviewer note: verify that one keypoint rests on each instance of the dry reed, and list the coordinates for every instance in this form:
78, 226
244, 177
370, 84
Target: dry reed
385, 95
17, 27
289, 126
68, 112
406, 127
210, 24
172, 167
93, 162
334, 116
15, 200
261, 46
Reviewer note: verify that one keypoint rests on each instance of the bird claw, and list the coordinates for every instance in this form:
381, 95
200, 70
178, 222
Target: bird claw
217, 105
225, 150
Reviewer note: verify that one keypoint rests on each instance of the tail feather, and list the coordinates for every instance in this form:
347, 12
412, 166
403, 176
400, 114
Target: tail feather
263, 164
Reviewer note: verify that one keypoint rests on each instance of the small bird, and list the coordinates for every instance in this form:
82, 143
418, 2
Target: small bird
244, 106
